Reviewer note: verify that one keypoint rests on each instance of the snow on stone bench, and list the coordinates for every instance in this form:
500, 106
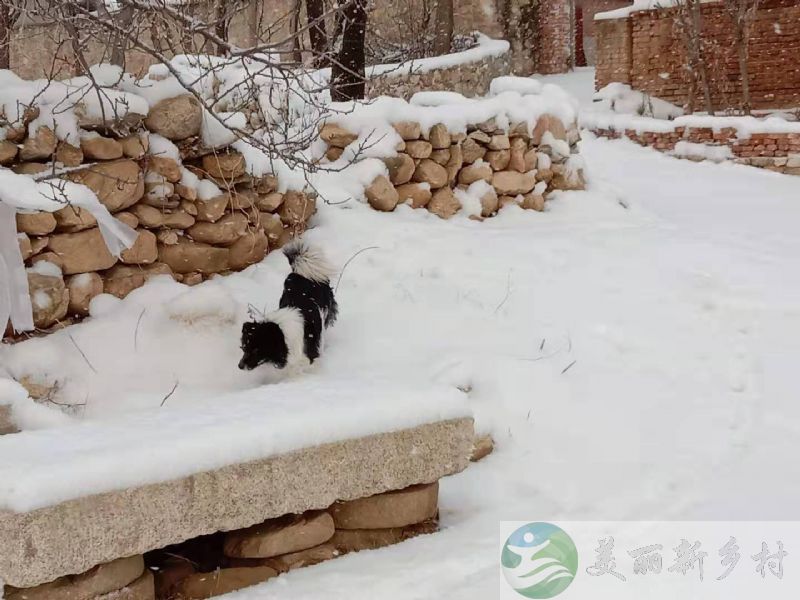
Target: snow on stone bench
79, 496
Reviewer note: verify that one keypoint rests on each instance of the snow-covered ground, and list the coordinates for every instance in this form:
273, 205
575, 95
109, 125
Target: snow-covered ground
632, 350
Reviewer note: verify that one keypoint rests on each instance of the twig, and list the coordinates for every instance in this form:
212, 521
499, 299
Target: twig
172, 391
349, 260
508, 293
74, 343
136, 331
568, 367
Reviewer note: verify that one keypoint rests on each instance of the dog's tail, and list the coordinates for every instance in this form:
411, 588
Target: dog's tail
308, 261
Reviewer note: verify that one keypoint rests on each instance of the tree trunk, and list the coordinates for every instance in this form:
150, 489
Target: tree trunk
347, 73
317, 32
443, 23
220, 25
697, 35
5, 36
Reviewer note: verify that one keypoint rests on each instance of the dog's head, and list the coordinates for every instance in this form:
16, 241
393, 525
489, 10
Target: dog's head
263, 343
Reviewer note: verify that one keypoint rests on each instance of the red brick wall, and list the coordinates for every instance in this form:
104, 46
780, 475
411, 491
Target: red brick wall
614, 52
657, 56
554, 43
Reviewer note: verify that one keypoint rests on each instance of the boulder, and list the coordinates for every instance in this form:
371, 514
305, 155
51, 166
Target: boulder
188, 257
269, 202
165, 166
211, 211
97, 147
39, 146
475, 172
511, 183
82, 289
517, 160
223, 232
144, 250
416, 195
401, 168
439, 137
499, 142
284, 535
118, 184
547, 123
69, 155
199, 586
419, 149
498, 159
441, 157
81, 252
431, 173
336, 135
454, 163
135, 146
123, 279
356, 540
248, 250
408, 130
8, 152
227, 167
39, 223
176, 118
297, 208
381, 194
472, 151
444, 203
73, 218
102, 579
49, 299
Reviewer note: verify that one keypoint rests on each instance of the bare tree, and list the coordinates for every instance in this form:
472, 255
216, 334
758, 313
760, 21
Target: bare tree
443, 27
317, 31
689, 22
742, 13
348, 71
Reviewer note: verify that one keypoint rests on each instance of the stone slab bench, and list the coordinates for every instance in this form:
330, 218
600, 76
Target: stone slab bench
76, 497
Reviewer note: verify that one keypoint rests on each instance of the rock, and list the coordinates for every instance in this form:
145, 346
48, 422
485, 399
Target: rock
7, 424
128, 218
186, 192
208, 585
336, 135
498, 159
533, 201
431, 173
443, 203
167, 167
567, 179
242, 199
269, 202
280, 536
439, 137
49, 298
8, 152
499, 142
531, 160
510, 200
69, 155
454, 164
226, 167
82, 289
177, 219
294, 560
148, 216
81, 252
416, 195
188, 256
39, 223
71, 219
176, 118
480, 137
297, 208
38, 390
31, 168
472, 151
169, 574
97, 147
408, 130
123, 279
38, 244
440, 156
118, 184
381, 194
39, 146
511, 183
190, 208
401, 168
356, 540
520, 130
248, 250
50, 257
273, 227
475, 172
144, 250
25, 247
517, 160
211, 211
223, 232
102, 579
333, 153
484, 446
266, 184
135, 146
489, 203
192, 278
168, 237
141, 589
548, 123
419, 149
399, 508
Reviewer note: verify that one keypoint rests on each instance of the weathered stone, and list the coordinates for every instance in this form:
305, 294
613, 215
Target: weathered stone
273, 227
189, 208
135, 146
168, 237
401, 168
39, 223
416, 195
165, 166
548, 123
480, 137
50, 257
71, 219
97, 147
533, 201
356, 540
439, 137
176, 118
454, 163
248, 250
144, 250
242, 199
498, 159
294, 560
82, 289
567, 179
511, 183
336, 135
484, 446
443, 203
31, 168
531, 160
227, 167
517, 160
128, 218
408, 130
118, 184
141, 589
224, 232
399, 508
440, 156
297, 208
169, 574
8, 152
192, 278
211, 211
121, 280
148, 216
177, 219
475, 172
186, 192
381, 194
81, 252
7, 424
333, 153
199, 586
25, 246
38, 244
188, 256
100, 580
49, 299
472, 151
269, 202
39, 146
419, 149
280, 536
69, 155
499, 142
431, 173
489, 203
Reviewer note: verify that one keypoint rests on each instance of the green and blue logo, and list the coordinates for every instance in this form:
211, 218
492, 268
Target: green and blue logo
539, 560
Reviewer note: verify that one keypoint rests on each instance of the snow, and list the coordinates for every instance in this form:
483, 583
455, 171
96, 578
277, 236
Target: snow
702, 151
639, 5
171, 443
621, 98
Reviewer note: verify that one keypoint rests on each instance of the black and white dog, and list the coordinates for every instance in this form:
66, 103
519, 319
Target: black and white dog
290, 338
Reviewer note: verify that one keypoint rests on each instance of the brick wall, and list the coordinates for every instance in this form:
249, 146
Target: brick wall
656, 64
553, 43
590, 9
